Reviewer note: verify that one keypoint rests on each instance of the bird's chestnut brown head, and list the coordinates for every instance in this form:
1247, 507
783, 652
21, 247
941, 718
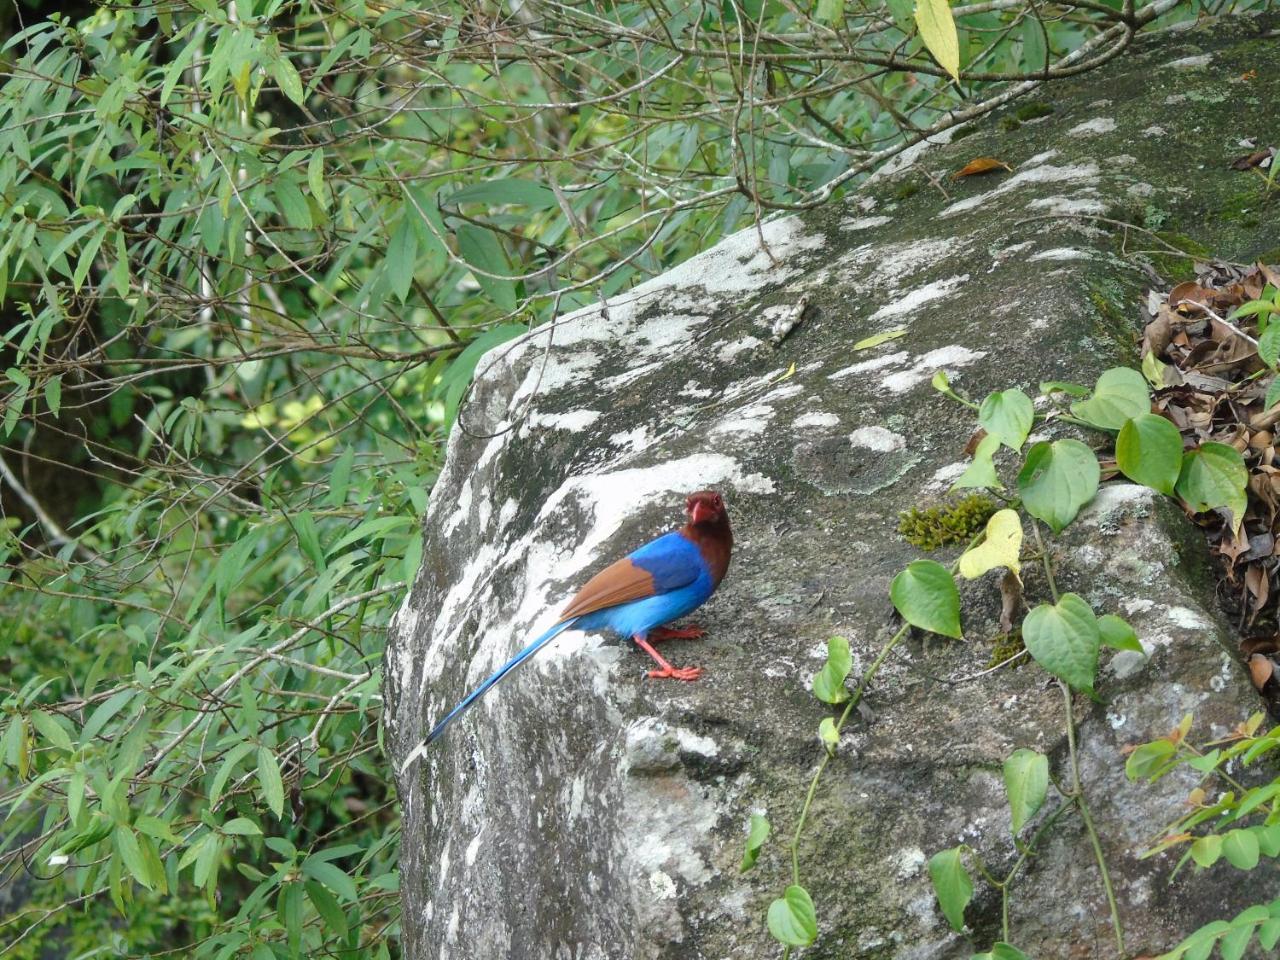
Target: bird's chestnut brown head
706, 507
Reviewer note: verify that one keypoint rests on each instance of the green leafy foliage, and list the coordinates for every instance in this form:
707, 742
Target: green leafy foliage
792, 919
1120, 394
1026, 782
757, 834
1007, 415
1214, 475
828, 683
1149, 451
1057, 479
951, 884
1064, 638
926, 596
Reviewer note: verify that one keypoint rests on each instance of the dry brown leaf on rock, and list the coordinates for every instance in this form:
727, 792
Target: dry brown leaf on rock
979, 166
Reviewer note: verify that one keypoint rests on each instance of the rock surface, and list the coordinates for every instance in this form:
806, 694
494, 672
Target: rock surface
583, 812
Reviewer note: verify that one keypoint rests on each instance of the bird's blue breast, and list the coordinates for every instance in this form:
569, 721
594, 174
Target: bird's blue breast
681, 581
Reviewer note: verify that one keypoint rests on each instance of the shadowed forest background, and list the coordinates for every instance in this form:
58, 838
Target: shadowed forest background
250, 255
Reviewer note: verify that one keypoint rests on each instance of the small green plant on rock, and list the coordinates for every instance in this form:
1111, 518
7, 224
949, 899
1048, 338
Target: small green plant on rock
1063, 633
946, 524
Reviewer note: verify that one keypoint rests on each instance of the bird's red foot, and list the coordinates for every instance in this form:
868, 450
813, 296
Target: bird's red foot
691, 632
676, 673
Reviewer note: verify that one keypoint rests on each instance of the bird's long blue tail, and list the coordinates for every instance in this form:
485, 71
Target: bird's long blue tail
469, 700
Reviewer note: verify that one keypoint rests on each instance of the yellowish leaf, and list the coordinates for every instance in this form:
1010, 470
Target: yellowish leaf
1001, 547
938, 31
879, 338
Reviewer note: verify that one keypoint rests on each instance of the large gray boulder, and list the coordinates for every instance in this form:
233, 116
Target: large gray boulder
585, 812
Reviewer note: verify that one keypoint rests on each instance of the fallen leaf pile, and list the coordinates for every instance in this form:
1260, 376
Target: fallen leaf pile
1212, 384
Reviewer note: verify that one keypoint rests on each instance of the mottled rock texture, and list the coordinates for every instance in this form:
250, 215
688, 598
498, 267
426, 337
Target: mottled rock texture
584, 812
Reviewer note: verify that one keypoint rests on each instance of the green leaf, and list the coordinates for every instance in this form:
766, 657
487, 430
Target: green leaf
51, 730
340, 477
481, 249
1269, 345
1058, 479
286, 75
757, 834
270, 781
951, 884
1214, 476
1007, 415
1026, 781
327, 907
1149, 452
1117, 634
402, 257
293, 204
1240, 847
828, 733
1064, 639
938, 31
1151, 760
1154, 369
981, 472
1272, 398
828, 683
999, 548
1206, 850
333, 877
126, 844
53, 394
926, 596
1120, 394
242, 827
792, 919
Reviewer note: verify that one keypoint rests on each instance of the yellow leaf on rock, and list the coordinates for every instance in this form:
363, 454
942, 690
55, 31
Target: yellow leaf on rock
1001, 547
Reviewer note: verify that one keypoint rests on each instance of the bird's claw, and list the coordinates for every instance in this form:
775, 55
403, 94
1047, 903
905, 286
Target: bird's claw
676, 673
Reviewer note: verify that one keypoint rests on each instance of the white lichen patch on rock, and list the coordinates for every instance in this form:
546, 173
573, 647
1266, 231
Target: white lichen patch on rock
1190, 63
734, 347
816, 419
1084, 173
1063, 253
864, 223
878, 438
917, 298
573, 420
1069, 206
925, 366
1091, 128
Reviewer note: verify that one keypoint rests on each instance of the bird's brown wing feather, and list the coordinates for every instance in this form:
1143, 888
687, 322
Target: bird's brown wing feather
613, 585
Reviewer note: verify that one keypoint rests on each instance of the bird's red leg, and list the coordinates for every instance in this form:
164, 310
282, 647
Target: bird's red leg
691, 632
667, 671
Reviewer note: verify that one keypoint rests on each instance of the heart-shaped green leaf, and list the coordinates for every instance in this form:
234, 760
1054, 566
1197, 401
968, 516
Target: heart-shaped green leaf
952, 885
999, 548
981, 472
1120, 394
1214, 476
1117, 634
926, 596
1149, 452
792, 919
1064, 639
828, 683
1026, 781
1058, 479
757, 834
1007, 415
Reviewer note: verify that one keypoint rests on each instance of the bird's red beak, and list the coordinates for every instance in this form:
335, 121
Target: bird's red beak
700, 512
